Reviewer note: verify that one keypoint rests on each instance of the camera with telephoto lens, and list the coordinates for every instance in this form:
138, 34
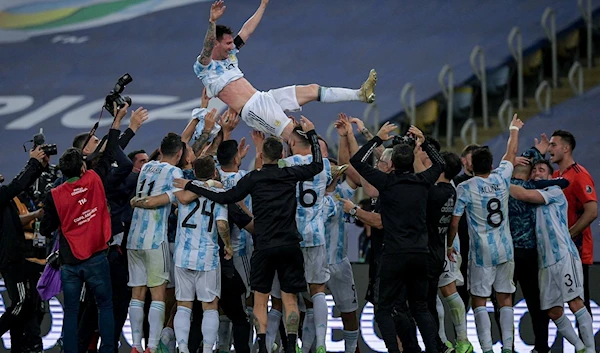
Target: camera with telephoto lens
115, 95
404, 140
40, 140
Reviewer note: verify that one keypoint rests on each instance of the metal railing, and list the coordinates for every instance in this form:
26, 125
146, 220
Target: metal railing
517, 54
576, 71
372, 108
480, 73
550, 30
544, 88
586, 12
505, 113
408, 92
448, 92
472, 124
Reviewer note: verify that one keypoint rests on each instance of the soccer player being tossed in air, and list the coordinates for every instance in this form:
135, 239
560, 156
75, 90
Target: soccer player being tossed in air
560, 271
484, 198
217, 67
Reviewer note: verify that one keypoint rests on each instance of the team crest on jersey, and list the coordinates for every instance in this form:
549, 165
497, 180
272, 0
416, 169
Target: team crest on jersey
277, 123
232, 58
588, 189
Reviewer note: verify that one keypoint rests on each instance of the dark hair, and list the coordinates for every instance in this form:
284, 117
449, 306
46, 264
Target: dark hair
482, 160
547, 163
155, 155
70, 162
566, 136
221, 30
184, 153
403, 157
300, 136
227, 151
79, 140
319, 137
469, 149
272, 148
204, 167
453, 164
435, 143
170, 145
132, 155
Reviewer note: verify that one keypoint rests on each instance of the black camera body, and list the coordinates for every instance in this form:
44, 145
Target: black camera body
40, 140
404, 140
115, 95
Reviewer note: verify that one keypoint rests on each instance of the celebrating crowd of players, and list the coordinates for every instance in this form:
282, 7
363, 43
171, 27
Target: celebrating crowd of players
211, 243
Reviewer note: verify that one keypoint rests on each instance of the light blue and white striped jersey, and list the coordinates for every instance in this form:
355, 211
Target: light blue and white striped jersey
241, 240
218, 73
336, 237
197, 241
485, 201
149, 226
309, 197
551, 228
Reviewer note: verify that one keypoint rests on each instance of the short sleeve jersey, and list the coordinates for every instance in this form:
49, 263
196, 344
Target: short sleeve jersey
149, 226
336, 237
485, 201
218, 73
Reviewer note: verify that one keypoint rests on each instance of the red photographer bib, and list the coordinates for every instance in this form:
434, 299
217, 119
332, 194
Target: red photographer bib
84, 215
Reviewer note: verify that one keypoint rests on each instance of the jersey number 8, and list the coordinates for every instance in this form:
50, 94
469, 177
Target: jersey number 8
494, 209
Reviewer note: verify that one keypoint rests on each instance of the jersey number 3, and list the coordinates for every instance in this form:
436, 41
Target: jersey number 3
494, 209
205, 212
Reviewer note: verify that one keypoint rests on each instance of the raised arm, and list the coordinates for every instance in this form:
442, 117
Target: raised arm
235, 194
359, 160
216, 11
432, 173
33, 169
522, 194
250, 25
513, 140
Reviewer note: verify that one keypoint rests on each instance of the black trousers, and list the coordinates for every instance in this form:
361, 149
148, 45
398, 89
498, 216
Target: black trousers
586, 287
404, 278
88, 318
435, 270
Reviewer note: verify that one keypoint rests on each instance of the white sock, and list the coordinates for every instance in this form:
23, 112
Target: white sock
224, 334
136, 319
210, 329
156, 319
336, 94
308, 331
182, 321
566, 329
458, 315
351, 341
321, 311
484, 328
273, 320
439, 307
507, 326
585, 328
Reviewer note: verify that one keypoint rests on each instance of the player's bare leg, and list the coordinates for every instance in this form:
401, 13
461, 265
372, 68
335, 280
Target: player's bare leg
314, 92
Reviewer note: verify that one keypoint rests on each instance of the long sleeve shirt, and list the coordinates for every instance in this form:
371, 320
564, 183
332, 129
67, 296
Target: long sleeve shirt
403, 197
273, 192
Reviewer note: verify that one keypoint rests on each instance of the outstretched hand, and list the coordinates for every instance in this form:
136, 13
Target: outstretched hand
216, 10
542, 144
307, 125
516, 122
384, 132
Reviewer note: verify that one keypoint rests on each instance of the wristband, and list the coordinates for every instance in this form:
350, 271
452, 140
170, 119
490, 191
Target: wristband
512, 127
210, 183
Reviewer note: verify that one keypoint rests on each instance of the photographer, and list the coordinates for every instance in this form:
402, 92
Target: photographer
13, 265
79, 208
403, 196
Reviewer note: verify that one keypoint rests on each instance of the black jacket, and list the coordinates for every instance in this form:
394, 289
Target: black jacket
273, 192
403, 199
12, 236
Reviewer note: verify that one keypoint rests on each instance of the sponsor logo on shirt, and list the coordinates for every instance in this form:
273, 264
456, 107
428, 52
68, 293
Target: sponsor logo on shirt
588, 189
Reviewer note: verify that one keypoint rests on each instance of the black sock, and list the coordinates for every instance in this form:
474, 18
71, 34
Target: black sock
261, 338
282, 333
292, 338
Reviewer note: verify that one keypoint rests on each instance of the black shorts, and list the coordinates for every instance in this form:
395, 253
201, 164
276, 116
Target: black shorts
286, 260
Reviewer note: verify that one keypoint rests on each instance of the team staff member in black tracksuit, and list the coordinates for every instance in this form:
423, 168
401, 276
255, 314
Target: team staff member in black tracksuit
276, 237
13, 265
403, 197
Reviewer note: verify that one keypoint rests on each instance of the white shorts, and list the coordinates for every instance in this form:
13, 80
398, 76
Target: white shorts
242, 266
341, 285
560, 283
171, 283
451, 272
191, 284
481, 279
265, 111
149, 267
316, 266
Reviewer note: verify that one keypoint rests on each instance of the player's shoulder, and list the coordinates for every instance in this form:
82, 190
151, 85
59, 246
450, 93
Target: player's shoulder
581, 171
